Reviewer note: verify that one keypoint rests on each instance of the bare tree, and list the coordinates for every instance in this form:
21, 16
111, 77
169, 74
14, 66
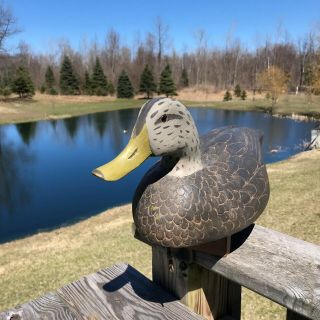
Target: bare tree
112, 54
201, 58
8, 25
305, 50
162, 38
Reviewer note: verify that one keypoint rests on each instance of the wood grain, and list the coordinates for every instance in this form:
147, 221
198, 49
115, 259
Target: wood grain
277, 266
207, 293
47, 307
119, 292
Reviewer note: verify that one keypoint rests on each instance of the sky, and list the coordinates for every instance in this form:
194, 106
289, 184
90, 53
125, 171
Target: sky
45, 22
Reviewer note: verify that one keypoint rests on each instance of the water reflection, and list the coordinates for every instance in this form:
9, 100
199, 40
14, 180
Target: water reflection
100, 122
13, 160
46, 181
27, 131
71, 125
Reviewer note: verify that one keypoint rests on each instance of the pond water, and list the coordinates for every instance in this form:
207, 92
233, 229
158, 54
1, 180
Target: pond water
45, 166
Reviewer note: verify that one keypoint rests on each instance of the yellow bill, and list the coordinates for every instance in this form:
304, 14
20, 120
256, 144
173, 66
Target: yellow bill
137, 150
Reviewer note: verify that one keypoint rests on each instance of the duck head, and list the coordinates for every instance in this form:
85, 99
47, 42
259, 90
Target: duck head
164, 127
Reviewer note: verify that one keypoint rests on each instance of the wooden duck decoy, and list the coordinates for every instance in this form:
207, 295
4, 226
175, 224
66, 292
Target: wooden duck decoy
203, 189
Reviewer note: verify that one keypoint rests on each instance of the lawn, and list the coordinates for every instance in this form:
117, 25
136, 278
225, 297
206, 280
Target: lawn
43, 107
43, 262
287, 105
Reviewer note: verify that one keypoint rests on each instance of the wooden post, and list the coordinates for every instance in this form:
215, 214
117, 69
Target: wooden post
207, 293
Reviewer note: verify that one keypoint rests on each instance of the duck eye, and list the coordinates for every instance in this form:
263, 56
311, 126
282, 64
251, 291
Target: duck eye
164, 118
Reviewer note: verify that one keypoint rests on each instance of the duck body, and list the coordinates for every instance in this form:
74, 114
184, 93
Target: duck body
203, 188
224, 197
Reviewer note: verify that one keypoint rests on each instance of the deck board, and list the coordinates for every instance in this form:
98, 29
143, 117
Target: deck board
275, 265
119, 292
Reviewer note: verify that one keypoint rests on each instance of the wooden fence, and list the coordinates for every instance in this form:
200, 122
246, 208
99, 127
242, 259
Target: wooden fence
274, 265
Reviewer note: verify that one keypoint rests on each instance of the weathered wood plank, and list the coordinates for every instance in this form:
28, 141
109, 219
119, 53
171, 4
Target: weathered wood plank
207, 293
121, 293
47, 307
277, 266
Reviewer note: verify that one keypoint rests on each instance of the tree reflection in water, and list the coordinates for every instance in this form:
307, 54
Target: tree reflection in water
13, 160
100, 122
27, 131
71, 125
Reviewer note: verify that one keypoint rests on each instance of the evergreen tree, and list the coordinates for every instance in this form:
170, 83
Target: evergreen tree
184, 81
49, 77
22, 83
99, 82
237, 91
227, 96
43, 88
50, 82
87, 84
243, 95
5, 86
111, 88
147, 84
69, 84
167, 85
124, 88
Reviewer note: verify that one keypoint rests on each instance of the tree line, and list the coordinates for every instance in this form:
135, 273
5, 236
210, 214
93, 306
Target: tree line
20, 82
97, 68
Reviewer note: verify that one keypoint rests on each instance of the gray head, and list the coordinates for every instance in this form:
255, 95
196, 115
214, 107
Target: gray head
170, 126
164, 128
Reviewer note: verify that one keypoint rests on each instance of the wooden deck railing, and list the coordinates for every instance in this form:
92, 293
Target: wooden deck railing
277, 266
274, 265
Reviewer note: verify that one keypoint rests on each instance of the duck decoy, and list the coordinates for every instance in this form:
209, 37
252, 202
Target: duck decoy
202, 189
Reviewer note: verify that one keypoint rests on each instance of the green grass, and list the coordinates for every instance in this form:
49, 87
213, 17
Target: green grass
32, 266
48, 107
33, 110
287, 105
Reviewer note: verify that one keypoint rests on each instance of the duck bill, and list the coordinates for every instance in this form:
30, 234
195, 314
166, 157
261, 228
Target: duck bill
137, 150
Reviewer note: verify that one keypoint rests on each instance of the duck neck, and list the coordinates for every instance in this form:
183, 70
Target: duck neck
187, 160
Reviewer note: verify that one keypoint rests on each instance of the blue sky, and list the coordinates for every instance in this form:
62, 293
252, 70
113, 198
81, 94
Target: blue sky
45, 22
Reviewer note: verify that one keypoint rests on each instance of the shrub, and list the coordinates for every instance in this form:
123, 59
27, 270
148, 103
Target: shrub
227, 96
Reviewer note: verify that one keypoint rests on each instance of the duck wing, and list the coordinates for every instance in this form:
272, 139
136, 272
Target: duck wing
238, 145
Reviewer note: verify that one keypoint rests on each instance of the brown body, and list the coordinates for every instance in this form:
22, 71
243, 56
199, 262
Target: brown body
224, 197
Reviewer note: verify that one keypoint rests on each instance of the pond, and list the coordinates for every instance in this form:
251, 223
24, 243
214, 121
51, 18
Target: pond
45, 166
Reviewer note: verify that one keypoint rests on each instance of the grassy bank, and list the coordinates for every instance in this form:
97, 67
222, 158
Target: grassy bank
43, 107
32, 266
287, 105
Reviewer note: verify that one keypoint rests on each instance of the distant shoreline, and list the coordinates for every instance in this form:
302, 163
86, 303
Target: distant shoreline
45, 107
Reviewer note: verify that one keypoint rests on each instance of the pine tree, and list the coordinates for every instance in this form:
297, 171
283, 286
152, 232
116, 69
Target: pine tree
147, 84
87, 84
243, 95
50, 82
99, 82
5, 86
22, 83
111, 88
69, 84
49, 78
227, 96
167, 85
184, 81
237, 91
124, 88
